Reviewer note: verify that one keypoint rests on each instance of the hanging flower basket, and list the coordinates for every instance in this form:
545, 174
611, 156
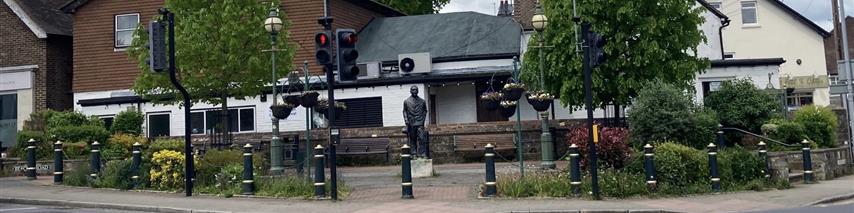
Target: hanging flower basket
508, 108
513, 91
323, 107
541, 101
309, 99
294, 100
282, 111
491, 100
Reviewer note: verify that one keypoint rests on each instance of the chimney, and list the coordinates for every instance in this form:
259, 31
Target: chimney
504, 9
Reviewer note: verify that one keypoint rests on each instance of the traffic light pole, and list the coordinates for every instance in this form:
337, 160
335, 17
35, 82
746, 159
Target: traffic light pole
588, 102
188, 147
330, 83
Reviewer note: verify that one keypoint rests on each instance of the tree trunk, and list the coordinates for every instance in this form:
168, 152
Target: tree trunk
226, 120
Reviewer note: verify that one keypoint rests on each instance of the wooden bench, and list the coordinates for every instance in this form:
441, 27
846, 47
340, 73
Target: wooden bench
478, 142
364, 146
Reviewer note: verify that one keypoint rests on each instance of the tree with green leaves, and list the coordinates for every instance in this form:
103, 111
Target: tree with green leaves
416, 7
646, 40
218, 46
742, 105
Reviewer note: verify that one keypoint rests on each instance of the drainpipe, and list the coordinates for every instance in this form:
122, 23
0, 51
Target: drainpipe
724, 23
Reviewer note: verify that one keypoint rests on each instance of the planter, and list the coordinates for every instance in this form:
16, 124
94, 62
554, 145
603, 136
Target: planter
540, 104
309, 99
508, 111
513, 94
294, 100
490, 104
281, 111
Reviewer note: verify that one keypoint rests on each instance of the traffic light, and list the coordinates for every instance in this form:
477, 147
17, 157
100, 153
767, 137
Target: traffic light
347, 54
323, 46
597, 51
156, 46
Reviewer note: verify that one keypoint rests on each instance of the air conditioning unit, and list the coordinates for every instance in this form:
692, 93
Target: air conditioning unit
414, 63
370, 70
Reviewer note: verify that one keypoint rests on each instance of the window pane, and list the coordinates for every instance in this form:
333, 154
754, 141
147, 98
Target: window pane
213, 121
748, 12
124, 38
125, 22
247, 119
8, 107
108, 122
158, 125
197, 122
232, 120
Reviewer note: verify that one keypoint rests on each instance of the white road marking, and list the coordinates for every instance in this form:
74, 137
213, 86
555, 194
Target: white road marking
17, 209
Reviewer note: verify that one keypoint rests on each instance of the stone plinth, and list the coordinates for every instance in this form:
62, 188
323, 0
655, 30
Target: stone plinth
422, 167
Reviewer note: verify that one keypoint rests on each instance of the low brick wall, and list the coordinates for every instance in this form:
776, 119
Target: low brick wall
827, 163
18, 167
441, 139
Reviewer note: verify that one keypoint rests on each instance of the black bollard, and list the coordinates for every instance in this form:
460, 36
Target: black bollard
808, 176
713, 167
720, 136
57, 163
95, 163
137, 161
763, 154
319, 176
490, 171
248, 178
649, 166
31, 159
574, 170
406, 172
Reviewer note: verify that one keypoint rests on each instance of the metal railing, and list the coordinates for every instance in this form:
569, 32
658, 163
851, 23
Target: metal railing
759, 136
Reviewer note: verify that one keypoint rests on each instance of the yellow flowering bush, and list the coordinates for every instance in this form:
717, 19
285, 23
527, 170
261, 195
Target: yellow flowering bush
167, 170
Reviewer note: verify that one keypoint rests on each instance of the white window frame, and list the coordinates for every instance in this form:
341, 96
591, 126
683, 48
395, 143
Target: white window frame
716, 4
116, 30
102, 117
239, 130
755, 12
148, 122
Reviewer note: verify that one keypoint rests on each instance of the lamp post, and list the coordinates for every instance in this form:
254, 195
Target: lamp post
273, 24
539, 22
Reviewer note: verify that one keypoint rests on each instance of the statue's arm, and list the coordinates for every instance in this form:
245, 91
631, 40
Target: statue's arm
405, 115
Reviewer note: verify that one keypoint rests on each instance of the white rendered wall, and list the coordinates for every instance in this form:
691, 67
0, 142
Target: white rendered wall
757, 74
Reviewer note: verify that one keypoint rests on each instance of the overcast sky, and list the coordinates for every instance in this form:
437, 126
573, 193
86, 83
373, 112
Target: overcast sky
816, 10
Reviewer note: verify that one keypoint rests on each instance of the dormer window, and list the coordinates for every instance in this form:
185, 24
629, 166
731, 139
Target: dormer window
125, 25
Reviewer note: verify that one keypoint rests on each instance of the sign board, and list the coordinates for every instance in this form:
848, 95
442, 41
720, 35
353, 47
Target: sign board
840, 69
16, 80
805, 82
595, 133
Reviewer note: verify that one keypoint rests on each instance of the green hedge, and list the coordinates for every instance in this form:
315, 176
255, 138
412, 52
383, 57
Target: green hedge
819, 123
44, 148
663, 112
129, 122
740, 104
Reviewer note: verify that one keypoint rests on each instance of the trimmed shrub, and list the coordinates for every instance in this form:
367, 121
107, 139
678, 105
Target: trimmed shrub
167, 170
73, 133
165, 144
76, 150
663, 112
786, 131
212, 162
38, 120
72, 118
740, 104
120, 145
612, 151
44, 148
819, 124
738, 166
680, 166
129, 122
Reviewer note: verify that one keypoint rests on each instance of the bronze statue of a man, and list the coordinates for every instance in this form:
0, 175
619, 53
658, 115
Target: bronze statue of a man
414, 114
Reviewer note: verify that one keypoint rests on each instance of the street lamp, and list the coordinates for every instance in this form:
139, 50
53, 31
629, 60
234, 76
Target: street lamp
539, 22
273, 24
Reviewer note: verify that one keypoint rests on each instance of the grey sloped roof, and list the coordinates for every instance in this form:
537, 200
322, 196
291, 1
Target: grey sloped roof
47, 16
447, 36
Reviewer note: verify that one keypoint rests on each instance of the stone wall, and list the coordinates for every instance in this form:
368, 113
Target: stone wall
441, 139
827, 163
17, 167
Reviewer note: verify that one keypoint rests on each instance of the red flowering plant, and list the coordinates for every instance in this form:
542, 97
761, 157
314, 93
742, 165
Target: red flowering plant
613, 150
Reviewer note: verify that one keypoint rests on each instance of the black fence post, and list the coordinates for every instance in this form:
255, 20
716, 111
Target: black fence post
31, 159
135, 164
95, 163
649, 166
763, 154
489, 155
57, 163
248, 183
713, 167
406, 172
808, 175
319, 176
574, 170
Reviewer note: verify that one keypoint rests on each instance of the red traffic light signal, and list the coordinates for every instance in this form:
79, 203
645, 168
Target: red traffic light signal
321, 39
347, 54
323, 53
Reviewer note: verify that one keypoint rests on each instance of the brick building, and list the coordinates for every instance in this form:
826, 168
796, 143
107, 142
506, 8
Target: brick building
35, 61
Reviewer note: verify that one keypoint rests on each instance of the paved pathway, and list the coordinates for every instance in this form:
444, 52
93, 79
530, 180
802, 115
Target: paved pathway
377, 189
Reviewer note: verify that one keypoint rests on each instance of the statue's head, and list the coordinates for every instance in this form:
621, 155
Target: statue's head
413, 90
